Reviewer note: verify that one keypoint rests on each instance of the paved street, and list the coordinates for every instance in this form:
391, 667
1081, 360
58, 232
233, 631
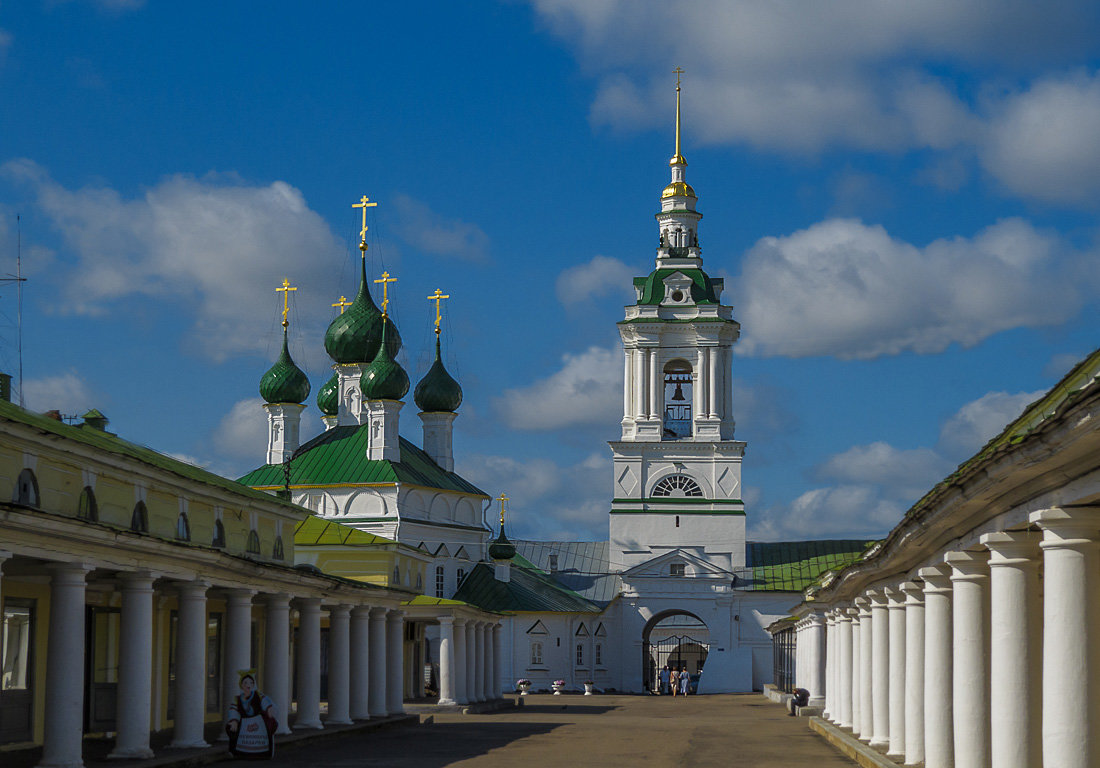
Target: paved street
606, 731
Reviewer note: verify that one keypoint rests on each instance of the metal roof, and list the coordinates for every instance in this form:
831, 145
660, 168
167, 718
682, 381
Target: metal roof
791, 566
526, 590
338, 456
583, 566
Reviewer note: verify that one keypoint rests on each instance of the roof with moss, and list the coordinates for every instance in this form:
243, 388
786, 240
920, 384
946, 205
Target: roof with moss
111, 443
338, 457
791, 566
317, 532
653, 286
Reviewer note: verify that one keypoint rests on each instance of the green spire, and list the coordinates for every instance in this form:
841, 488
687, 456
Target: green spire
328, 398
384, 378
284, 382
438, 391
354, 335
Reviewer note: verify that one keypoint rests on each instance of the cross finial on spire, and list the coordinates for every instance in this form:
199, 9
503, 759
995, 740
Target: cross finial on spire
502, 498
385, 280
364, 203
437, 297
678, 157
343, 302
285, 290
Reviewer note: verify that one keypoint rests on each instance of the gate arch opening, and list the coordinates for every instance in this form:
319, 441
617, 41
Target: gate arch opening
675, 636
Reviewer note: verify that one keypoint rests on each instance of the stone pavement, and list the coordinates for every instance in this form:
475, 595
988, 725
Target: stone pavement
605, 731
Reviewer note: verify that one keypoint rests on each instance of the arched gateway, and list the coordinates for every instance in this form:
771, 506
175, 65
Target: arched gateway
675, 637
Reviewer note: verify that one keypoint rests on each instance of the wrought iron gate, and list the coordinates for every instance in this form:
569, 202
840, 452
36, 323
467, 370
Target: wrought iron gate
677, 651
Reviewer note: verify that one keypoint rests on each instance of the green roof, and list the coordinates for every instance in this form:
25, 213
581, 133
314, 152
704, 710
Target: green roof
113, 444
791, 566
314, 531
338, 456
527, 589
284, 382
426, 600
438, 391
653, 286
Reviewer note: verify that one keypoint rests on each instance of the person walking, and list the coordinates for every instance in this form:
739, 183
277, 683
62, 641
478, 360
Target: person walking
665, 676
674, 680
685, 680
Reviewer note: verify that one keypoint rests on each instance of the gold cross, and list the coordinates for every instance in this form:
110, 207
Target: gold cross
386, 280
502, 498
437, 297
364, 204
343, 302
285, 290
678, 72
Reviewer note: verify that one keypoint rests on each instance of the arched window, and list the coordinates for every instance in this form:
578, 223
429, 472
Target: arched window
419, 581
26, 489
86, 507
678, 393
253, 547
677, 485
219, 535
439, 580
277, 551
139, 520
397, 574
183, 528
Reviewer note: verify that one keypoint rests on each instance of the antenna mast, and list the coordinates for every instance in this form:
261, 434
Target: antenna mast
18, 279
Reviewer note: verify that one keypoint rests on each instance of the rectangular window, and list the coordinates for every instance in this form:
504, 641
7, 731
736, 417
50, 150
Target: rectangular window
536, 654
580, 655
439, 581
676, 569
458, 579
599, 655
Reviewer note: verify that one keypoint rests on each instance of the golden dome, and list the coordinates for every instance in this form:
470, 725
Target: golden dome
677, 159
678, 189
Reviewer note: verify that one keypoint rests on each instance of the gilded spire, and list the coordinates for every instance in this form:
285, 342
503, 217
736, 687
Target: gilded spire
678, 158
364, 203
437, 297
285, 290
502, 498
385, 281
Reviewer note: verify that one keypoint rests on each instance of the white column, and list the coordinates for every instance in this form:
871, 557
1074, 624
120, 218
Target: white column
487, 661
309, 664
639, 384
446, 660
339, 665
655, 384
844, 669
376, 698
395, 657
359, 649
498, 661
628, 389
479, 661
939, 739
857, 670
64, 726
699, 401
135, 674
970, 584
880, 670
896, 618
460, 662
830, 656
1015, 653
799, 650
914, 672
238, 643
471, 662
815, 658
866, 670
276, 682
712, 382
1070, 641
190, 710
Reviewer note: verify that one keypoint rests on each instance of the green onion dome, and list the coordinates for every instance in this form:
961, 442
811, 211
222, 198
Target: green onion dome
500, 548
328, 399
384, 378
438, 391
284, 382
354, 335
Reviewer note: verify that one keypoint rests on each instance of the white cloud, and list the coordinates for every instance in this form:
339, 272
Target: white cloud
846, 511
844, 288
547, 500
241, 435
980, 420
588, 389
65, 392
904, 475
1042, 143
421, 227
600, 276
215, 245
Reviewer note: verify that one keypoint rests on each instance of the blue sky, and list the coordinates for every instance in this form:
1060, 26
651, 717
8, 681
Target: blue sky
901, 197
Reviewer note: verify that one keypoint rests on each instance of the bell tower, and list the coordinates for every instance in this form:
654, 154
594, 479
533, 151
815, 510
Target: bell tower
677, 466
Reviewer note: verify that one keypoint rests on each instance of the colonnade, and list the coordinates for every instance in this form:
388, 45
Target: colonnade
989, 658
365, 667
470, 660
